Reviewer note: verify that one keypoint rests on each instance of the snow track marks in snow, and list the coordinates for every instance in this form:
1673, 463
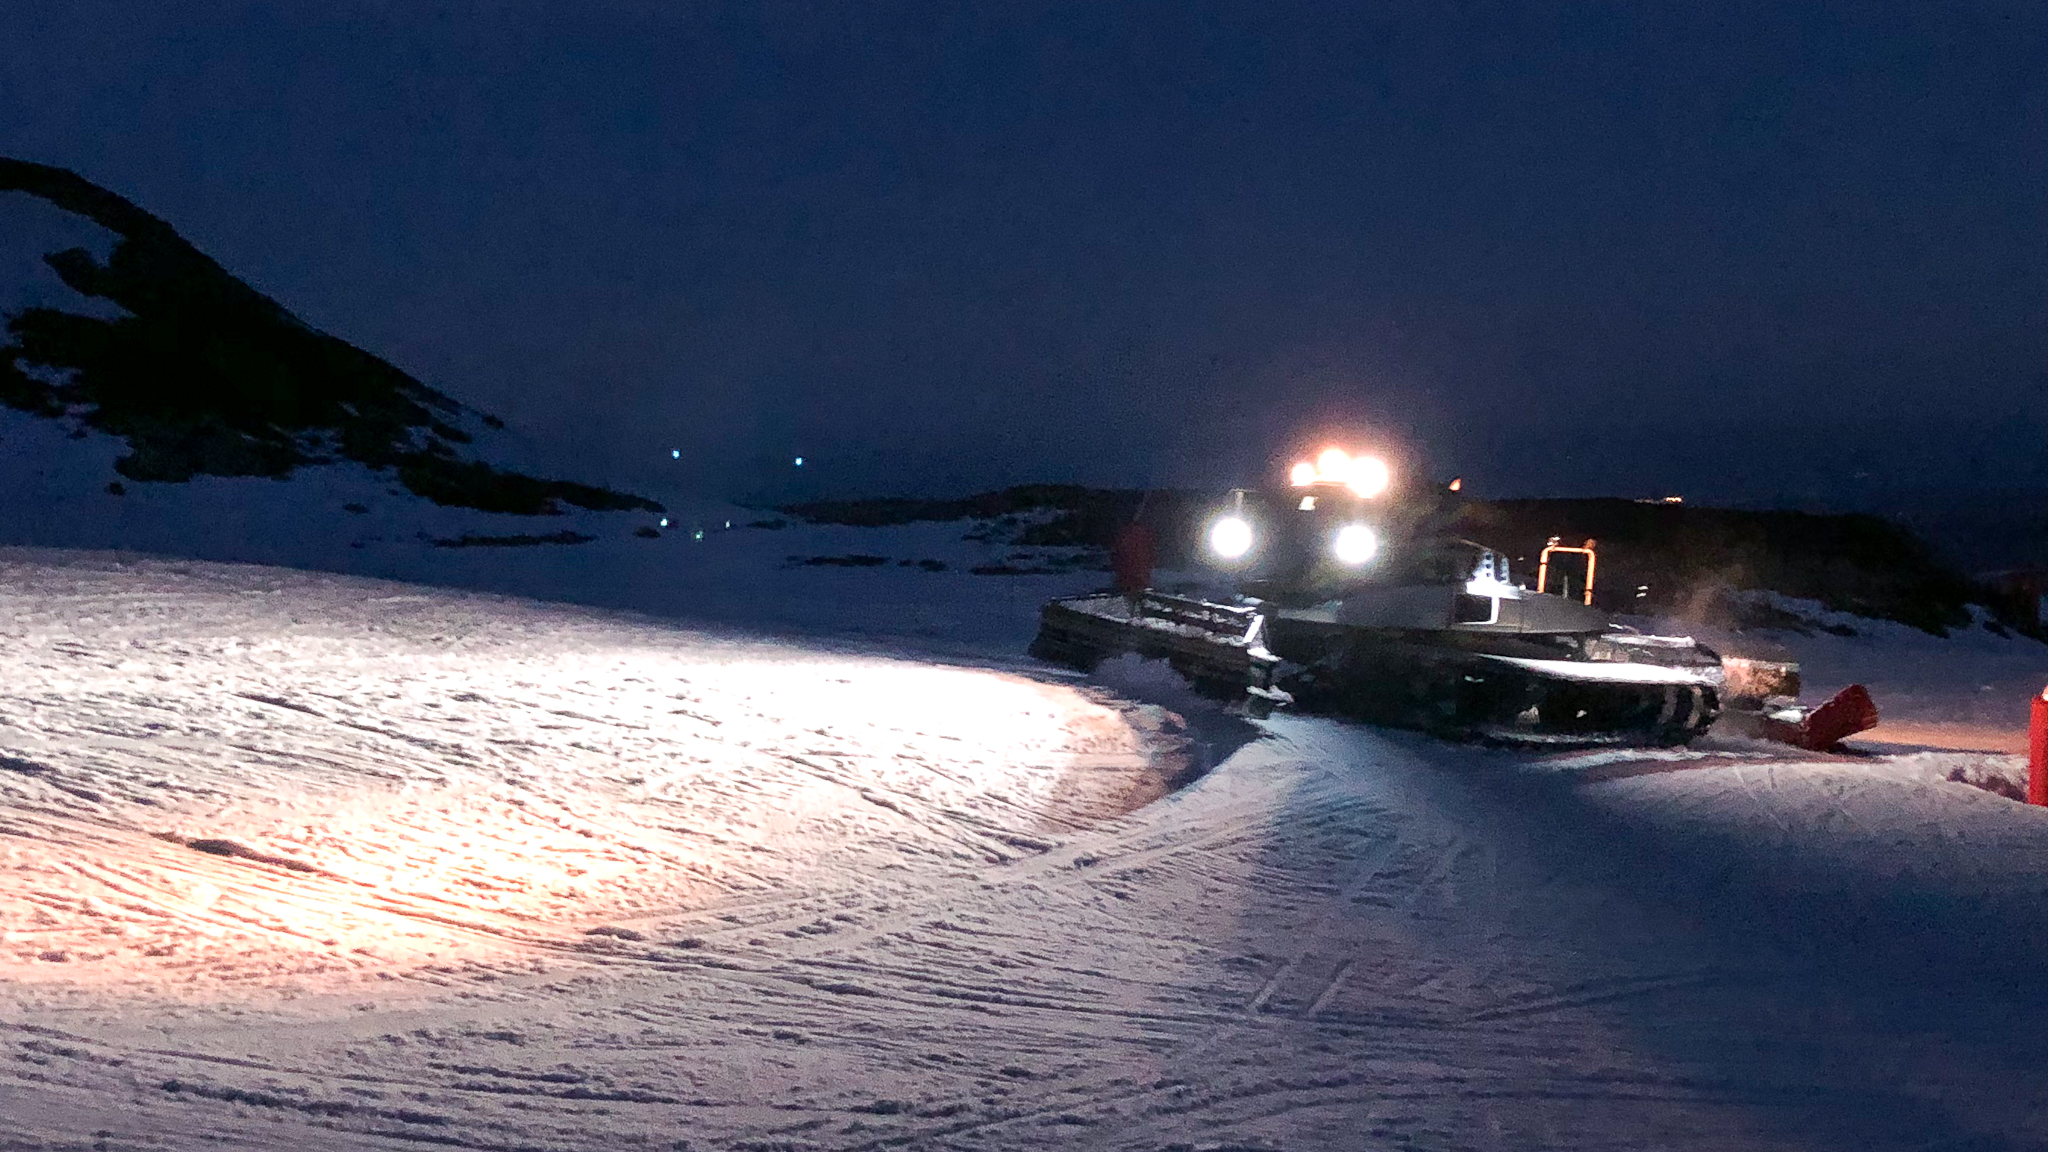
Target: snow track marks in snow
219, 773
636, 887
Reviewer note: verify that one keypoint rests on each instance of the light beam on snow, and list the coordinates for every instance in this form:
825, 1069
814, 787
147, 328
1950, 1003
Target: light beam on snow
338, 785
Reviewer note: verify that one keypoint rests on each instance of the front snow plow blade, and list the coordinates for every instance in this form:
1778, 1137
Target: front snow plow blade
1219, 648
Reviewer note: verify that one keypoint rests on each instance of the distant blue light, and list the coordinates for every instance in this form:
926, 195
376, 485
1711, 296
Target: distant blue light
675, 453
799, 461
664, 521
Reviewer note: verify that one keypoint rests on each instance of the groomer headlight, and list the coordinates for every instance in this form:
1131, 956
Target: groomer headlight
1230, 537
1354, 545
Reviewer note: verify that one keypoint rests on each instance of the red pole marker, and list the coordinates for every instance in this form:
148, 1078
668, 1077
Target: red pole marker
2037, 751
1130, 558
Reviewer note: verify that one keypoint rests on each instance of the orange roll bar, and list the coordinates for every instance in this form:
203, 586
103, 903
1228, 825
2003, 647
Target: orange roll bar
1543, 565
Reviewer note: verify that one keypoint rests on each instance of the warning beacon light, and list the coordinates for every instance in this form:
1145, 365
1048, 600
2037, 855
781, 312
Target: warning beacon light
1368, 476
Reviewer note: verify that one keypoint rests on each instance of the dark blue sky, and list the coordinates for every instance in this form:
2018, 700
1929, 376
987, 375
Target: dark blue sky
1727, 249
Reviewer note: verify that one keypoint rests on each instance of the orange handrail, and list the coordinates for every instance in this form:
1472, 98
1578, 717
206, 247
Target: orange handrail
1543, 565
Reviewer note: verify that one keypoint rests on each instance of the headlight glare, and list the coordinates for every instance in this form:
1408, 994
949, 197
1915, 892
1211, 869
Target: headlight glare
1355, 544
1230, 537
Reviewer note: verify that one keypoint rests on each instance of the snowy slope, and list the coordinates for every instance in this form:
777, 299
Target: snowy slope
309, 860
530, 766
30, 229
696, 568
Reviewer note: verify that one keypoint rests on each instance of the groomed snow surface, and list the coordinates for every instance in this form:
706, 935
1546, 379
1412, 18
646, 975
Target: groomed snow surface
310, 861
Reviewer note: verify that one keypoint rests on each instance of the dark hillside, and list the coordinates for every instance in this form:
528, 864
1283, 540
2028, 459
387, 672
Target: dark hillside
1046, 515
1682, 560
207, 376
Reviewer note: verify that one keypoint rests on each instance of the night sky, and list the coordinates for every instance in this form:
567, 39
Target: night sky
1765, 252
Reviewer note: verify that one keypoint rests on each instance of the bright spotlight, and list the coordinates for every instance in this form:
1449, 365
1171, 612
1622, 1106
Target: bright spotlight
1230, 537
1332, 462
1303, 475
1368, 476
1355, 544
